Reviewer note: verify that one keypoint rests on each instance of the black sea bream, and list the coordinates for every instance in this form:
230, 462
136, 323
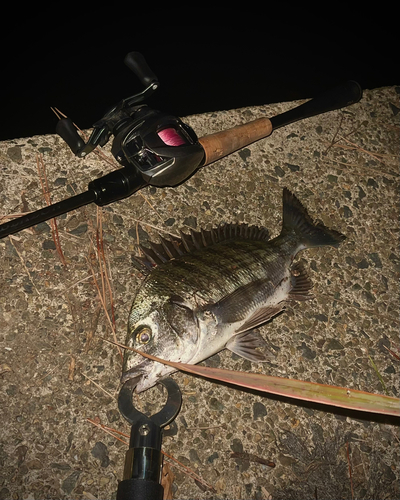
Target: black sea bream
207, 291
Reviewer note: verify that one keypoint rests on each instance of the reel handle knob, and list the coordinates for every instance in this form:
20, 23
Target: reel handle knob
66, 130
137, 63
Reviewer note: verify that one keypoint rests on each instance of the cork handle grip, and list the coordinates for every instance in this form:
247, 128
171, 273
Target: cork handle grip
223, 143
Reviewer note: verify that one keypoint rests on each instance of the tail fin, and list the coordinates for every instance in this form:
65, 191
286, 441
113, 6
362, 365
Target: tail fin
296, 218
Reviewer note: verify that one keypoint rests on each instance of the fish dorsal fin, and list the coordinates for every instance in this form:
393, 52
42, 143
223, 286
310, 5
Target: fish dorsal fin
176, 246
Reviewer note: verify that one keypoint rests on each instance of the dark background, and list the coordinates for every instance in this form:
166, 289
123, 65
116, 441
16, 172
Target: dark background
75, 63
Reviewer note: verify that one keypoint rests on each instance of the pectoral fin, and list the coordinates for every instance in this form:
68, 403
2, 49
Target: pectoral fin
245, 345
261, 316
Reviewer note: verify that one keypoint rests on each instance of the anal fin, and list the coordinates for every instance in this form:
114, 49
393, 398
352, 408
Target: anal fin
300, 283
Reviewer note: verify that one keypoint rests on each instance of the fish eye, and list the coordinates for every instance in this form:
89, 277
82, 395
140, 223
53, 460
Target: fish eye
144, 336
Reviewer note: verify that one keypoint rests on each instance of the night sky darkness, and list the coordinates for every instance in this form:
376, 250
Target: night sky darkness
82, 73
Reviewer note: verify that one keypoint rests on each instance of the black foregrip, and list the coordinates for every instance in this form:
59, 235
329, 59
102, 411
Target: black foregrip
137, 63
336, 98
116, 185
139, 489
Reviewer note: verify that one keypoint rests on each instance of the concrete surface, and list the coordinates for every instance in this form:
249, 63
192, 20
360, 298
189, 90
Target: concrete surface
56, 372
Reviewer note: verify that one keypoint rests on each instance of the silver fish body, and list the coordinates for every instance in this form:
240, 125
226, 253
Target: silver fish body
209, 290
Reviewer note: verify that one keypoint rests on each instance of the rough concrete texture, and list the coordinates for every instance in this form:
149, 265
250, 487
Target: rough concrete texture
56, 372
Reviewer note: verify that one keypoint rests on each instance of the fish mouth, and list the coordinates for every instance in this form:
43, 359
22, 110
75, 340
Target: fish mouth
137, 371
144, 375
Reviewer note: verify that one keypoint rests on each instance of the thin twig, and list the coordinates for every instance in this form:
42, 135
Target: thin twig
392, 352
159, 229
363, 168
103, 260
12, 216
93, 328
58, 113
102, 427
335, 135
189, 471
348, 461
58, 366
46, 193
98, 385
104, 277
11, 238
147, 201
62, 292
374, 155
104, 306
334, 141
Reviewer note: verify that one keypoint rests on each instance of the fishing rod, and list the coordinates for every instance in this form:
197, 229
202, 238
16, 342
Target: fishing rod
158, 149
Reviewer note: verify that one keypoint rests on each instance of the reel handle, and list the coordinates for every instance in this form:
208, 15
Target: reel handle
67, 131
137, 63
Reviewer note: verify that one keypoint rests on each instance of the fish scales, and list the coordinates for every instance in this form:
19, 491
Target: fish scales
209, 290
215, 271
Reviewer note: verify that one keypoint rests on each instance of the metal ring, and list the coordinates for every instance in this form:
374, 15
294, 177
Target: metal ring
164, 416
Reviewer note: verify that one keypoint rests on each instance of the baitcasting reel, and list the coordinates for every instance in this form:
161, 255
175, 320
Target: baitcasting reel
154, 146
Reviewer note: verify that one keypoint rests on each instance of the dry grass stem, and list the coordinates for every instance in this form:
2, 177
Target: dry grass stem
151, 206
350, 475
361, 169
71, 369
158, 229
103, 263
58, 113
93, 327
105, 289
56, 367
99, 153
104, 304
5, 218
352, 146
46, 194
108, 431
12, 238
335, 141
377, 156
188, 471
98, 385
392, 352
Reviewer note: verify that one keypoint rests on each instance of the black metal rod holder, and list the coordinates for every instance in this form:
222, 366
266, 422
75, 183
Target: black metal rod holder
143, 460
143, 463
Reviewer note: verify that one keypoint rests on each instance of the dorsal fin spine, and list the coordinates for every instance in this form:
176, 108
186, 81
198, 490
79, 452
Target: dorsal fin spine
176, 246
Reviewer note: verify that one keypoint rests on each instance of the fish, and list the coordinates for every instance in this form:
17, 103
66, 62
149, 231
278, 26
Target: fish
209, 290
